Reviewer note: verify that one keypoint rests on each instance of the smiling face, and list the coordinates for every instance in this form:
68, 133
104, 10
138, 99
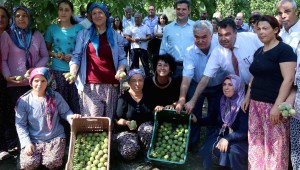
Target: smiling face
3, 20
21, 19
265, 32
98, 17
287, 14
227, 37
182, 12
39, 84
228, 88
64, 12
136, 83
163, 69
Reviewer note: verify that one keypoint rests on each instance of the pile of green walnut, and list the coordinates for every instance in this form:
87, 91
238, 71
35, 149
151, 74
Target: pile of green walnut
91, 151
286, 110
170, 143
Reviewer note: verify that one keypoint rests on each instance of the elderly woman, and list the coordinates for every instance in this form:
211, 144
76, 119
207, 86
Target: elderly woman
273, 70
22, 49
162, 90
96, 64
229, 143
38, 113
133, 107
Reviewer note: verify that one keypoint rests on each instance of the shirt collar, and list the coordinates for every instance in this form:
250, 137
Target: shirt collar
199, 51
189, 22
295, 27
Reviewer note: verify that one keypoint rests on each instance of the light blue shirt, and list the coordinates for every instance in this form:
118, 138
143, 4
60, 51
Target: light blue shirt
79, 55
63, 40
195, 62
127, 23
31, 120
176, 39
151, 23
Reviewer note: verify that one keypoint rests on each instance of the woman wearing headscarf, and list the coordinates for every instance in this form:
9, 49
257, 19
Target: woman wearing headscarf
133, 106
228, 146
96, 64
22, 49
38, 113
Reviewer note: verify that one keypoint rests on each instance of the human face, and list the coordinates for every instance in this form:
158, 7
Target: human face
136, 82
3, 20
227, 37
202, 39
265, 32
182, 12
138, 19
228, 89
39, 84
287, 14
98, 17
128, 14
162, 20
21, 19
64, 12
117, 22
162, 69
203, 15
151, 11
238, 21
215, 25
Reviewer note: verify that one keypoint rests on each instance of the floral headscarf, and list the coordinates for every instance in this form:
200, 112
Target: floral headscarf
135, 71
21, 37
229, 107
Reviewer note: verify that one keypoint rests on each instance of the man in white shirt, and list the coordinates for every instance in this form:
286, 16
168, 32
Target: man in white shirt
139, 35
290, 34
243, 46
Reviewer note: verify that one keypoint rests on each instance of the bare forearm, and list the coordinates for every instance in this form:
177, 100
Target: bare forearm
184, 89
74, 69
284, 91
122, 122
200, 87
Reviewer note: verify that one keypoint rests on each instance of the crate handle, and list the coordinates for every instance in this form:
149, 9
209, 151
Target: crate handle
92, 120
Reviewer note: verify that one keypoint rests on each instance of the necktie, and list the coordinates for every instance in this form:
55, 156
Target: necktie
235, 63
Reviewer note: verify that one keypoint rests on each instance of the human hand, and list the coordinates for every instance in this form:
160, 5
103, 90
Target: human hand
222, 145
29, 149
76, 116
120, 75
59, 55
158, 108
70, 77
67, 57
169, 107
245, 104
194, 118
12, 79
189, 106
179, 106
274, 115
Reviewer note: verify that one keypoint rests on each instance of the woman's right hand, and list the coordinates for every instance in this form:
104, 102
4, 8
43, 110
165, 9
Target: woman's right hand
12, 79
71, 78
29, 149
245, 104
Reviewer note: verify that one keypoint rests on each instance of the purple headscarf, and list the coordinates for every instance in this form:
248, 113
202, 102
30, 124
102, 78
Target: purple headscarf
21, 37
229, 107
135, 71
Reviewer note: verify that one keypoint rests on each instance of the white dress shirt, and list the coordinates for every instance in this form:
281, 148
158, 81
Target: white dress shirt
244, 48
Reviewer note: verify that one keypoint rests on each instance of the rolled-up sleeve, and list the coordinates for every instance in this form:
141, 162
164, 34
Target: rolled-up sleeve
77, 53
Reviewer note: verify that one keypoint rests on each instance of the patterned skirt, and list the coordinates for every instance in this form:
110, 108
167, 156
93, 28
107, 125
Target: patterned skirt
268, 143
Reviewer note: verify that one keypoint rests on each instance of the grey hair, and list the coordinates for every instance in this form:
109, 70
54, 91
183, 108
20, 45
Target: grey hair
138, 13
128, 8
293, 2
202, 24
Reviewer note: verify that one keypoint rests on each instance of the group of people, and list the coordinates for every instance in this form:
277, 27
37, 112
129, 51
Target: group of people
243, 75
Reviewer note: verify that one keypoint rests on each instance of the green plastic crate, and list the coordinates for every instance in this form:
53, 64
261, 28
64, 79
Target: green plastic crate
169, 116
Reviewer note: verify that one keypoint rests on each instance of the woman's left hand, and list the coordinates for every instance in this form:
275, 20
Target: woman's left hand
274, 115
120, 75
222, 145
158, 108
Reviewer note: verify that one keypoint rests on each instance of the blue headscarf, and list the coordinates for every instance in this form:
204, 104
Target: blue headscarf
94, 37
135, 71
21, 37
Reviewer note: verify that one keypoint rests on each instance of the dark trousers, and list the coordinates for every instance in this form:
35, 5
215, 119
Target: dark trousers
137, 54
213, 96
14, 93
3, 110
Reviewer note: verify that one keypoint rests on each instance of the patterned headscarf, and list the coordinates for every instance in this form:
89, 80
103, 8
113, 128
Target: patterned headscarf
135, 71
94, 36
21, 37
229, 107
50, 98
